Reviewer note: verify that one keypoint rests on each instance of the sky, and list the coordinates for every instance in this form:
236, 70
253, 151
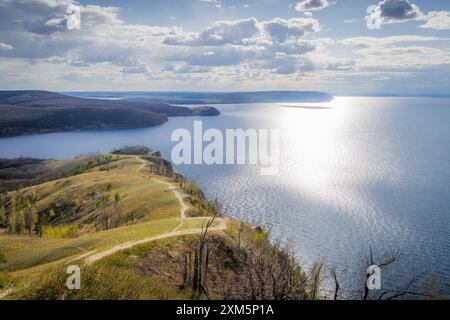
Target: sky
336, 46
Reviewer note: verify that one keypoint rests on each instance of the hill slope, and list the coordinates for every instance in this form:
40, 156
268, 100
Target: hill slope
138, 231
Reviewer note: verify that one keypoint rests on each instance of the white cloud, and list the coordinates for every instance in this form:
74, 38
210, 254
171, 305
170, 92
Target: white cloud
396, 11
364, 42
246, 32
220, 33
5, 46
397, 52
437, 20
276, 45
216, 3
279, 29
311, 5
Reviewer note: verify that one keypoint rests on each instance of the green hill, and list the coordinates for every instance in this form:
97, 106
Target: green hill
137, 230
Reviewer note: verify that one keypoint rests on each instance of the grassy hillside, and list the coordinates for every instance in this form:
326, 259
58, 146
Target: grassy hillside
138, 231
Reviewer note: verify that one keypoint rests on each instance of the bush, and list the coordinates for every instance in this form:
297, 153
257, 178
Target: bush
70, 231
5, 280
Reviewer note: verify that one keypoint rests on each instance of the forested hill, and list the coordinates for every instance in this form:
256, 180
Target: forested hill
26, 112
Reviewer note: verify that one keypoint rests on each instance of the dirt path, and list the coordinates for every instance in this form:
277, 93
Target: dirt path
174, 233
183, 206
128, 245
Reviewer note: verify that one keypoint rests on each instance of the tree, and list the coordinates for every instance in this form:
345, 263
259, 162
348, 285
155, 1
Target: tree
12, 214
261, 270
20, 222
117, 208
39, 226
51, 213
29, 218
92, 194
336, 283
3, 221
384, 293
201, 260
34, 197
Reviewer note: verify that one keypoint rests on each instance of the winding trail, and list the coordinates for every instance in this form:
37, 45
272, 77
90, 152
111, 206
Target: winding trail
174, 233
183, 205
127, 245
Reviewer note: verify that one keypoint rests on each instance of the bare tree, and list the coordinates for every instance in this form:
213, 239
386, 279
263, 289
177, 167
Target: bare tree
269, 272
336, 283
201, 259
382, 294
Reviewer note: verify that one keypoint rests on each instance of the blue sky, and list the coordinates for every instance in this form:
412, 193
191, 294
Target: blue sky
227, 45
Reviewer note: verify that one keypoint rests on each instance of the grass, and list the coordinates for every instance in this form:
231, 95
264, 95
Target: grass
37, 265
100, 282
197, 223
24, 252
157, 212
144, 197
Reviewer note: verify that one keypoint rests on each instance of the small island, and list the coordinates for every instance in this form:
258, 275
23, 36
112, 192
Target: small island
205, 111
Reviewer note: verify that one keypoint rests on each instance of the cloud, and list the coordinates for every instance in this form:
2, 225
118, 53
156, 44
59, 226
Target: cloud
397, 52
365, 42
245, 32
109, 53
220, 56
394, 11
279, 29
5, 46
437, 20
103, 37
279, 65
216, 3
276, 45
220, 33
311, 5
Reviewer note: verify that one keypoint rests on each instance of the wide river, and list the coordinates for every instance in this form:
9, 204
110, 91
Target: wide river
356, 173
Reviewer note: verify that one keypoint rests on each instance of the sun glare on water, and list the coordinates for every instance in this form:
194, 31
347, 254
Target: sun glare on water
313, 152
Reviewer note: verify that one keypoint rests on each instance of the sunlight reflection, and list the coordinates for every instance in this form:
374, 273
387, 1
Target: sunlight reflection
313, 153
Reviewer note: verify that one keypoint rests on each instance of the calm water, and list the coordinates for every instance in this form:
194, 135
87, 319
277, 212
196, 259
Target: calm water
364, 172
